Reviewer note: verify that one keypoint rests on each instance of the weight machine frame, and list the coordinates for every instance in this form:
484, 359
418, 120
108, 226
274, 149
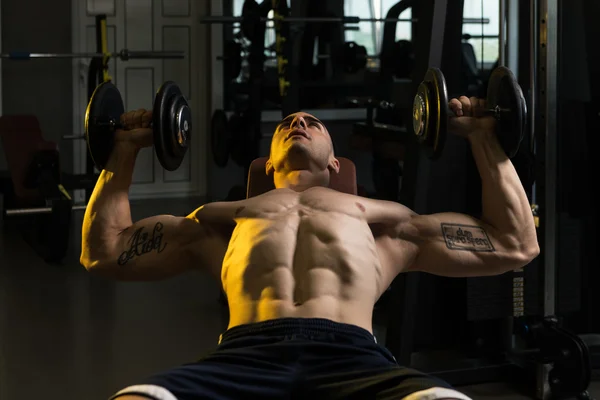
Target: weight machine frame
542, 75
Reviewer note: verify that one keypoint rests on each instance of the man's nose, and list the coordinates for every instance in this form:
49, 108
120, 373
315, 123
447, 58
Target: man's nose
298, 121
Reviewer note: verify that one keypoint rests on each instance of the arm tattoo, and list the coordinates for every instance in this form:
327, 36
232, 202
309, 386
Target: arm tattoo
142, 243
466, 237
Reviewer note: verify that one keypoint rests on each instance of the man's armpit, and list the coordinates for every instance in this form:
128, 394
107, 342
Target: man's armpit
143, 241
466, 238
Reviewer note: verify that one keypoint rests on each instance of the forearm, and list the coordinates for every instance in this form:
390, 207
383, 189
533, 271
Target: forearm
505, 205
108, 212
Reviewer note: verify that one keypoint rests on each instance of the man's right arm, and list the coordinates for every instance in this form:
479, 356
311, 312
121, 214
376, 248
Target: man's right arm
150, 249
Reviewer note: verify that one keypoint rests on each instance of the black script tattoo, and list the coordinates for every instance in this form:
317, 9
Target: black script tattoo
466, 237
142, 243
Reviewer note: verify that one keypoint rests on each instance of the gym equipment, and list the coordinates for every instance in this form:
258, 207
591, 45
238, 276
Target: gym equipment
505, 102
403, 59
36, 180
232, 56
172, 124
353, 57
231, 137
248, 19
46, 222
220, 138
241, 136
252, 17
40, 210
124, 55
565, 354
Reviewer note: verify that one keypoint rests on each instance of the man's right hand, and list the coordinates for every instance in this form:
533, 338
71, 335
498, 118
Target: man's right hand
137, 130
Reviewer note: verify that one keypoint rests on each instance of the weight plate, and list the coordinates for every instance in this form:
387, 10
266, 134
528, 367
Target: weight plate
103, 111
355, 57
505, 94
172, 125
421, 112
219, 138
430, 112
181, 126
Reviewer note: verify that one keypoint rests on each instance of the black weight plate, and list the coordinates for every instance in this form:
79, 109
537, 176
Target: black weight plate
430, 112
219, 138
180, 127
355, 57
505, 93
106, 105
421, 114
172, 125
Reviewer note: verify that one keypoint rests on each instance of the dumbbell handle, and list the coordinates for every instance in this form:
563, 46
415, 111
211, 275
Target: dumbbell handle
112, 124
494, 112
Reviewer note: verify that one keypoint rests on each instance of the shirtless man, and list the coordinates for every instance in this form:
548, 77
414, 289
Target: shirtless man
303, 265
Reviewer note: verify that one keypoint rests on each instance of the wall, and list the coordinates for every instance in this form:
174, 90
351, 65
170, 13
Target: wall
39, 87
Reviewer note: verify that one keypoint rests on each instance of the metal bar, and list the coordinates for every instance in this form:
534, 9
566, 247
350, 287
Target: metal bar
477, 21
221, 19
123, 54
345, 20
468, 36
320, 57
39, 210
533, 51
512, 36
548, 22
73, 137
502, 36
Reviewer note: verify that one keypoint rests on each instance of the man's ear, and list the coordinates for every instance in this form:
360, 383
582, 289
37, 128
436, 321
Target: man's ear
334, 165
269, 167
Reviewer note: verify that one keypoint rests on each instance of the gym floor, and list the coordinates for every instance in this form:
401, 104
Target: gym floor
67, 335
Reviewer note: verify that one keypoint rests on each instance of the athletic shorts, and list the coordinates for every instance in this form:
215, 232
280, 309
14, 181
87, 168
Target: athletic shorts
294, 358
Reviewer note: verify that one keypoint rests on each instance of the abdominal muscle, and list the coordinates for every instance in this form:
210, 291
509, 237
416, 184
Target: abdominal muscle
302, 264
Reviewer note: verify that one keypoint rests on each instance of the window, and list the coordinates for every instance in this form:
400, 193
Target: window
270, 31
486, 48
370, 34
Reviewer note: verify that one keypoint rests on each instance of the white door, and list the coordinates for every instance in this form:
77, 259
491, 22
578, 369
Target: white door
139, 25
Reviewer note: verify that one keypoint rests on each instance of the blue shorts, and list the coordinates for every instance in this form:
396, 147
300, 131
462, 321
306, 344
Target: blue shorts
293, 358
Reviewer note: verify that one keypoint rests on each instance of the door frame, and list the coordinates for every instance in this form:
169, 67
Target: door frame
196, 186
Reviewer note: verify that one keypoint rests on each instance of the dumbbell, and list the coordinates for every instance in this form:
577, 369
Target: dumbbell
171, 124
505, 102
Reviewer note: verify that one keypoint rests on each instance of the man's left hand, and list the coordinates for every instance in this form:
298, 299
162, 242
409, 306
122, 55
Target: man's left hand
470, 117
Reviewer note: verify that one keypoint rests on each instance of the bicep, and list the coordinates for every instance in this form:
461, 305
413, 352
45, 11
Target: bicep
458, 245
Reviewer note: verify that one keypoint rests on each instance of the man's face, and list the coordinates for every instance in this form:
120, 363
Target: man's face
301, 138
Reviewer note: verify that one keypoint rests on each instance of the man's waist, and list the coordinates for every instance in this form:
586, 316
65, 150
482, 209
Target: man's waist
308, 328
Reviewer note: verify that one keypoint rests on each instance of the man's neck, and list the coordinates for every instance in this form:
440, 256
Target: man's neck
300, 180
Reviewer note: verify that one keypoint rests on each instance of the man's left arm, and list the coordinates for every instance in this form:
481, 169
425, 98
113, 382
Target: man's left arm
503, 239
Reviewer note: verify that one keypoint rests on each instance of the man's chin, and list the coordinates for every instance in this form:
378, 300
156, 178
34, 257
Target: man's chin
297, 147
